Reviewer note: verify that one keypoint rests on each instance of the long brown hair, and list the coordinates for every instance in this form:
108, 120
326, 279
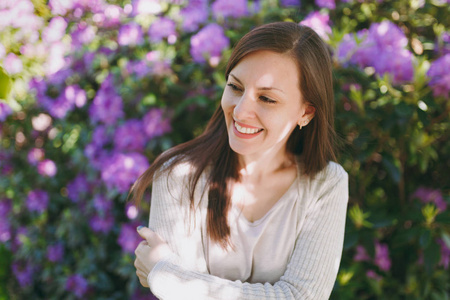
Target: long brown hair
315, 142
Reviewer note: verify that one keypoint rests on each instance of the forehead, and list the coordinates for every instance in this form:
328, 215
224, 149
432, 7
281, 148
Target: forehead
269, 69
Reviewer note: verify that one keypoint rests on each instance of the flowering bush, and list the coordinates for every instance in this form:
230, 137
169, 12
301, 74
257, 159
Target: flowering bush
100, 88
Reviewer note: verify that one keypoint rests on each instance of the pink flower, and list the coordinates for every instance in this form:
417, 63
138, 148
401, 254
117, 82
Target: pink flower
361, 254
382, 259
371, 274
47, 168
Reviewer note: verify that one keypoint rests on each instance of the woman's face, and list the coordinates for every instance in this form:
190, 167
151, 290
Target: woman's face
262, 103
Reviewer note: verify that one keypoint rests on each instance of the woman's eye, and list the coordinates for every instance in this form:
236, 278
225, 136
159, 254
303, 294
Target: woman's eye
267, 100
233, 87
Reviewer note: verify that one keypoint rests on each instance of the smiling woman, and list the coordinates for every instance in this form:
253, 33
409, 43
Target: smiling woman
255, 207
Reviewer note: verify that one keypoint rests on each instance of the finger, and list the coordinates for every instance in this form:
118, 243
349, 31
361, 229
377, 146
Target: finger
149, 235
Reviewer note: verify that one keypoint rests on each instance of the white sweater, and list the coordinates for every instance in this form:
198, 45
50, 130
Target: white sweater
313, 212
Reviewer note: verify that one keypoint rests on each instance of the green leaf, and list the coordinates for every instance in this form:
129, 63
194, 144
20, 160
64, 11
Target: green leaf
5, 84
425, 238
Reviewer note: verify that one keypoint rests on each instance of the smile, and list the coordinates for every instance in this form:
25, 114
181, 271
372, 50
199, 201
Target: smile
246, 132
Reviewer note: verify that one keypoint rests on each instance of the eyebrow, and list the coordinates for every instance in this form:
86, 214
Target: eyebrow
264, 88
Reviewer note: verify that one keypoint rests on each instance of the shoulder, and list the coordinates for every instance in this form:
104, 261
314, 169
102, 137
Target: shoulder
333, 172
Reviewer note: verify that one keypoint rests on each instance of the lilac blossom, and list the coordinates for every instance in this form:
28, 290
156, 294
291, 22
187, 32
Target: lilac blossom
102, 204
61, 7
361, 254
228, 8
56, 60
319, 22
55, 30
155, 124
139, 68
20, 235
109, 16
83, 34
107, 104
5, 227
12, 64
287, 3
440, 76
47, 168
162, 28
128, 237
326, 4
101, 222
445, 254
78, 188
427, 195
23, 271
208, 43
37, 200
35, 155
77, 284
382, 259
373, 275
55, 252
131, 211
130, 35
121, 170
382, 46
194, 14
94, 150
130, 136
5, 111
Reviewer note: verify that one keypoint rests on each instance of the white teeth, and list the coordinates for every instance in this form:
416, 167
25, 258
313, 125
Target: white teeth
245, 129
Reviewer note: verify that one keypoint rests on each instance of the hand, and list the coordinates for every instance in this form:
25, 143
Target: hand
148, 253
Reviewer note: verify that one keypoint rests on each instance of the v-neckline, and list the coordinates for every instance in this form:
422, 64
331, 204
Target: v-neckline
278, 203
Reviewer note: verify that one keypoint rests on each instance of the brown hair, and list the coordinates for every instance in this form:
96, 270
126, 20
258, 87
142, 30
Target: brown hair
315, 142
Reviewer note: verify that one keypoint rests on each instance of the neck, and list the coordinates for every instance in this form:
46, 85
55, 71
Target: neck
254, 167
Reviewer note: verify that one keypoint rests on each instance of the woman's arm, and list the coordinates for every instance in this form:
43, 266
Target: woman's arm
310, 273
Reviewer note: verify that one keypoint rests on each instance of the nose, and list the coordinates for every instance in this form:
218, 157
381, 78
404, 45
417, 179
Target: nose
244, 108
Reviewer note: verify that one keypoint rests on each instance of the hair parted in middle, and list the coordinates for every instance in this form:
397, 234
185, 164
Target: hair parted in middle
316, 143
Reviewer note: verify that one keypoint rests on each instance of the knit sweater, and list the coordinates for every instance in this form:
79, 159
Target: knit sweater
310, 270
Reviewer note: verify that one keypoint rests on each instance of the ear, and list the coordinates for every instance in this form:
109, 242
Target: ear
308, 115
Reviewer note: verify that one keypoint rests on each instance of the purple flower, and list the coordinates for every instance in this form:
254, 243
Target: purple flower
37, 200
155, 124
35, 155
55, 30
427, 195
382, 259
47, 168
107, 104
77, 285
445, 254
128, 238
5, 207
83, 35
130, 136
382, 46
162, 28
23, 271
361, 254
102, 204
131, 211
5, 229
78, 188
5, 111
56, 58
121, 170
55, 252
101, 222
12, 64
440, 76
61, 7
326, 4
371, 274
208, 44
230, 8
287, 3
139, 68
195, 14
319, 22
130, 35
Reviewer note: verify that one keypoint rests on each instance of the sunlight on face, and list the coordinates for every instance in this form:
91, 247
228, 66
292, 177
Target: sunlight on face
262, 103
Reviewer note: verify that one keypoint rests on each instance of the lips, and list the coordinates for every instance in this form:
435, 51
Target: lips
246, 131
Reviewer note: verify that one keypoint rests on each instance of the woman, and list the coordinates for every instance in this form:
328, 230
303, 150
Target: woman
254, 208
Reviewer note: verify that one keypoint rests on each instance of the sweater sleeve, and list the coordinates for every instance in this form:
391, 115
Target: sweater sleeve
311, 271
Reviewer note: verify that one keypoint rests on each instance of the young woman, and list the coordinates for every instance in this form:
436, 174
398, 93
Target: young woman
255, 207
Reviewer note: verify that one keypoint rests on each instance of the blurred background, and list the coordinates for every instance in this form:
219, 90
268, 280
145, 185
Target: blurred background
91, 91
